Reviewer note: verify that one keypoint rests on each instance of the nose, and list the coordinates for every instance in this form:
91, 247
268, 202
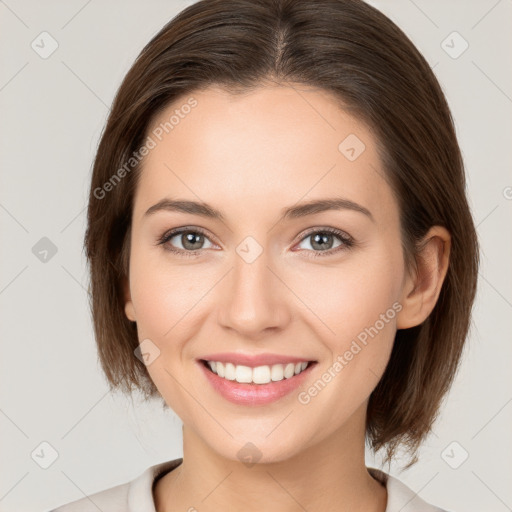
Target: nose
254, 299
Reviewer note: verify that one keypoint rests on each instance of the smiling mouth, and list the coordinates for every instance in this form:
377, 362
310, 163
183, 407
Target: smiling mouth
263, 374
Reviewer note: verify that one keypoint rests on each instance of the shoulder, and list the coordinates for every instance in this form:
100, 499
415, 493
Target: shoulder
114, 499
400, 496
133, 496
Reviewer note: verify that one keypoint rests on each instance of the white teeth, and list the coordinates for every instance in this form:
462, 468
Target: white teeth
257, 375
289, 370
243, 374
261, 375
277, 372
229, 370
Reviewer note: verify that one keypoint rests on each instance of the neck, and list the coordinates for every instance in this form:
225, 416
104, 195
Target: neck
330, 475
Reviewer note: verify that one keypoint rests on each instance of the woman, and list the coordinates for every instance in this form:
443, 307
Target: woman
281, 251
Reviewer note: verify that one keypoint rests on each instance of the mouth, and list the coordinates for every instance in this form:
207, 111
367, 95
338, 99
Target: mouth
258, 384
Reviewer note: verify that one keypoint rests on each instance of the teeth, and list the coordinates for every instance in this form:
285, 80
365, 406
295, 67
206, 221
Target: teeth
230, 371
243, 374
277, 372
289, 370
261, 375
258, 375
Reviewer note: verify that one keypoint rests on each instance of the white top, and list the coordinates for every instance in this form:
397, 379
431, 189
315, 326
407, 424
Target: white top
137, 495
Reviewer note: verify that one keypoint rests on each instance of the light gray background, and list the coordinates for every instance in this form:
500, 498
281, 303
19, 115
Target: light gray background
52, 114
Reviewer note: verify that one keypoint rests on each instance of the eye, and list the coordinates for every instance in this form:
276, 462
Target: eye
323, 240
190, 241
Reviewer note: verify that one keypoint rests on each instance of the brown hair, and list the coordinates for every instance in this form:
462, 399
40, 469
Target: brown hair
352, 50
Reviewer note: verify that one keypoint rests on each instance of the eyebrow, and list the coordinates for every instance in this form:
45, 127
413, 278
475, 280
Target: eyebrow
292, 212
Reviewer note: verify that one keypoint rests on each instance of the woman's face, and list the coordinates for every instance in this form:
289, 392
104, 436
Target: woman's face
319, 285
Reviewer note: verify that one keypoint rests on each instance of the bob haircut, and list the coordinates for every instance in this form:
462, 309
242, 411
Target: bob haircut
352, 50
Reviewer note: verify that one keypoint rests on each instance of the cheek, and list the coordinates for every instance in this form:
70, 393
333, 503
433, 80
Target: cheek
351, 296
162, 291
164, 296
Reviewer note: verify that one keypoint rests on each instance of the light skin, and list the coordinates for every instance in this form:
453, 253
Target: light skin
249, 157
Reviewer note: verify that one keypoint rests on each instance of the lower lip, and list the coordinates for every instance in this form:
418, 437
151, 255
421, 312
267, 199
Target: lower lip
254, 394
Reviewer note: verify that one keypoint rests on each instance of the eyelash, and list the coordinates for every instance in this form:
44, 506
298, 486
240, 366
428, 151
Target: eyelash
347, 241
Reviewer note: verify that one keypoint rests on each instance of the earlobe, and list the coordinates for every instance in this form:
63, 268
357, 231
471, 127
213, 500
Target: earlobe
421, 290
129, 310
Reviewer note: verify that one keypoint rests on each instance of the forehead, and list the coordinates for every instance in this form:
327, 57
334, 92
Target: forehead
272, 146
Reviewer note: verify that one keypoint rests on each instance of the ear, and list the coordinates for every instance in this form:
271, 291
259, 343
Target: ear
129, 310
421, 289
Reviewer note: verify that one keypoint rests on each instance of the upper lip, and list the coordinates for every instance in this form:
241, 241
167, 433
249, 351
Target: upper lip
254, 360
